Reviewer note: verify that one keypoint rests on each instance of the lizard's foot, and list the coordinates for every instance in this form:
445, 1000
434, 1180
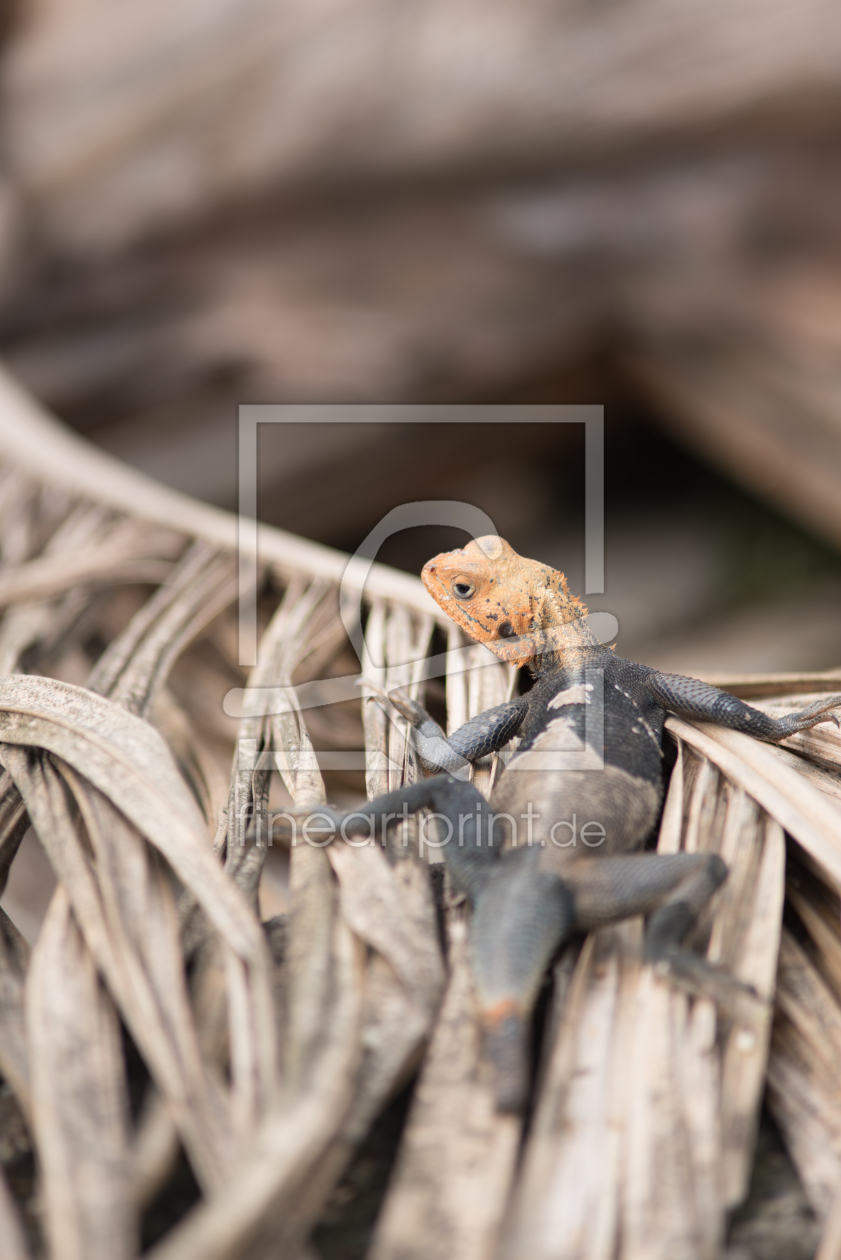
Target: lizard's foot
702, 979
805, 719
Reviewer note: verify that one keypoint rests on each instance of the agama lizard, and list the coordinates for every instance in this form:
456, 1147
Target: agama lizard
576, 802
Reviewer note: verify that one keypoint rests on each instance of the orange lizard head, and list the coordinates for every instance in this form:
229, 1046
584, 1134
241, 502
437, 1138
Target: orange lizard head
501, 599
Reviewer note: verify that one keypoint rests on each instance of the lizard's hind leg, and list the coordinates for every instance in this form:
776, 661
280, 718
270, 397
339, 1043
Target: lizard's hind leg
463, 820
671, 890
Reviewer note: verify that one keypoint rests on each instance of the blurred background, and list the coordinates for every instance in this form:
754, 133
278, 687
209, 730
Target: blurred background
231, 201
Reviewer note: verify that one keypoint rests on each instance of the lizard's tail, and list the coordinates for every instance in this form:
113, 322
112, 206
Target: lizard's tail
505, 1041
521, 916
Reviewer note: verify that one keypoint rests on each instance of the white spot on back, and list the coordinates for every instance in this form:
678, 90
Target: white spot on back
644, 725
577, 694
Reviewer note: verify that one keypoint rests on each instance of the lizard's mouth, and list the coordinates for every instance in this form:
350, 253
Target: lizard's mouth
516, 651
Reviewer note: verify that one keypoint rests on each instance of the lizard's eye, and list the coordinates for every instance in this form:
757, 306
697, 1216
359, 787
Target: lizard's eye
463, 589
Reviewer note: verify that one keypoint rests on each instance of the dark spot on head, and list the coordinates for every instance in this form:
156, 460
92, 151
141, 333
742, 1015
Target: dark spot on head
506, 631
492, 616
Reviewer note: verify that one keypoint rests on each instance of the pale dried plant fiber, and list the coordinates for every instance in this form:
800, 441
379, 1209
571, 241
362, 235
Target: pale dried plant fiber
271, 1049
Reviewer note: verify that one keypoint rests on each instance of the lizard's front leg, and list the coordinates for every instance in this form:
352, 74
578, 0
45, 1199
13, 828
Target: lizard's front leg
480, 736
693, 699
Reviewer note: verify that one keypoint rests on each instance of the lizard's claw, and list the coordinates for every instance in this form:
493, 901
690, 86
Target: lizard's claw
414, 712
377, 692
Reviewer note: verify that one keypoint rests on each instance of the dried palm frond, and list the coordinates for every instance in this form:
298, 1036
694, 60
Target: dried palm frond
158, 1013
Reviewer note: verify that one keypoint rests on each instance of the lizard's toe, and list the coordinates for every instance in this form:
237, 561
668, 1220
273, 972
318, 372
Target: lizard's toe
702, 979
820, 711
